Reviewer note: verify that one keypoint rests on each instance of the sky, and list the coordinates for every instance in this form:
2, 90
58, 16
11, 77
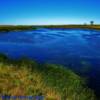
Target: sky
38, 12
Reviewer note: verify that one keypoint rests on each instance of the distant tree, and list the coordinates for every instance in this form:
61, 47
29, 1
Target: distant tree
91, 22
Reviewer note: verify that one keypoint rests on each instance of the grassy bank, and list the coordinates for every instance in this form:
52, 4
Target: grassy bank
97, 27
15, 28
25, 27
26, 77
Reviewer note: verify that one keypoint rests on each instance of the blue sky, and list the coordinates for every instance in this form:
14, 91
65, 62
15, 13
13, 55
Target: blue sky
49, 11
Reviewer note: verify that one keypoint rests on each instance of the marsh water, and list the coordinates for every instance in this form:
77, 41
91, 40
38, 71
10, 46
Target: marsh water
77, 49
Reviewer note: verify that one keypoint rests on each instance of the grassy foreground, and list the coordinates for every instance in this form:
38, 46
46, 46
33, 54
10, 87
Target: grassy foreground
28, 78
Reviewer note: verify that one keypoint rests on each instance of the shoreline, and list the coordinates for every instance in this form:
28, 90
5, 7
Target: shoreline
8, 28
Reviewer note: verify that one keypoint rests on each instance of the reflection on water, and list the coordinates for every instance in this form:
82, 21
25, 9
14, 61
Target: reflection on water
77, 48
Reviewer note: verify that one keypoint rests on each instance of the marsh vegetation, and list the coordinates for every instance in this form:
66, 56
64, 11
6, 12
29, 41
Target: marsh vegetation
26, 77
7, 28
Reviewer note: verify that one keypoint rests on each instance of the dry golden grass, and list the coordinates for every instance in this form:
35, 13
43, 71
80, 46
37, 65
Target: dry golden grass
20, 82
27, 78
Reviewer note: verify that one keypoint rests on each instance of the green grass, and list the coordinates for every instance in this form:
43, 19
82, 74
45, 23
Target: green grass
15, 28
97, 27
26, 77
7, 28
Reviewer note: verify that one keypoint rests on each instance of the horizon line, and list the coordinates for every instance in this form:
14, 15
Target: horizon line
42, 24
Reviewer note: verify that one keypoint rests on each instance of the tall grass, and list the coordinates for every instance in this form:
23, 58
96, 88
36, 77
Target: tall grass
28, 78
